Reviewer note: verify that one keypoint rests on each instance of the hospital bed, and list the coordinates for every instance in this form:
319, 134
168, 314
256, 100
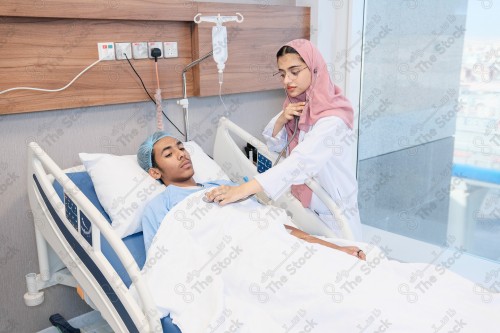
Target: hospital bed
77, 246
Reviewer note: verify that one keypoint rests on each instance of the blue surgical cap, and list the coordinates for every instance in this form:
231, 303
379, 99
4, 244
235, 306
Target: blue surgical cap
146, 150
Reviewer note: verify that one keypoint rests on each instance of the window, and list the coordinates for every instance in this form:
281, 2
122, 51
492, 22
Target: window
429, 126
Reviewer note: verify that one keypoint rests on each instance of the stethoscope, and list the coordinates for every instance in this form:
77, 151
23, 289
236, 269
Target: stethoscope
296, 118
281, 153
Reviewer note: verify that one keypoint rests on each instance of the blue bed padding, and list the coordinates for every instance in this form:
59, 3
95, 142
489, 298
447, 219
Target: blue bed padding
135, 242
476, 173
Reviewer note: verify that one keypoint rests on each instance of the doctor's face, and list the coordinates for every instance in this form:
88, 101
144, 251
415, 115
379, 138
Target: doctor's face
172, 162
294, 73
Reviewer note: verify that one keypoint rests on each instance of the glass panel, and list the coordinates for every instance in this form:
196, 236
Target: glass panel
429, 122
477, 139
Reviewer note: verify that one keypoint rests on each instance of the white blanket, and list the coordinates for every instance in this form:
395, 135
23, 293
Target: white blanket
236, 269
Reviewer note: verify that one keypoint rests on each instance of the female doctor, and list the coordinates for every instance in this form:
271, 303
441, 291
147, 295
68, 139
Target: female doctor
323, 118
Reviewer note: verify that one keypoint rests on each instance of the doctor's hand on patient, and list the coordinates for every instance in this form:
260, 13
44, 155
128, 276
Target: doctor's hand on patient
225, 194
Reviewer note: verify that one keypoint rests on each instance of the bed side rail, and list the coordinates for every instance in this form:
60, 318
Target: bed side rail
41, 167
238, 167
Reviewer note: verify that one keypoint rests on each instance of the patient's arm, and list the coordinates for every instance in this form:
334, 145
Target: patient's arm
352, 250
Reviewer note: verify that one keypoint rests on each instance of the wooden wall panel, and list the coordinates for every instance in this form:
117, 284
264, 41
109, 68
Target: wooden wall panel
159, 10
252, 46
46, 43
49, 53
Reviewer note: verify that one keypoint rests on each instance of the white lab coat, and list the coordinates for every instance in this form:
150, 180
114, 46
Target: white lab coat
326, 153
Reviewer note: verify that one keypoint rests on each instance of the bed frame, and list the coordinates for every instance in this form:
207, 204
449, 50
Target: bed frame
239, 168
86, 264
68, 234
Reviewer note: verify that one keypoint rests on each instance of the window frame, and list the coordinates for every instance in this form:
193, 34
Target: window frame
348, 21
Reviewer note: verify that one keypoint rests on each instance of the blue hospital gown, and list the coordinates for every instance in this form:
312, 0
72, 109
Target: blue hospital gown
157, 209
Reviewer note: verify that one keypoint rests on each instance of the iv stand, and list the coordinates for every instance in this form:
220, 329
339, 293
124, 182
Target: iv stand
218, 20
184, 101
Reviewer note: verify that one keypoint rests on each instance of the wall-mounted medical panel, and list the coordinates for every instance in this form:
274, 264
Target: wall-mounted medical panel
49, 53
46, 44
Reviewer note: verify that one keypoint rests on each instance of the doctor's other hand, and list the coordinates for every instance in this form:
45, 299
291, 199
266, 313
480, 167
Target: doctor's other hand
292, 110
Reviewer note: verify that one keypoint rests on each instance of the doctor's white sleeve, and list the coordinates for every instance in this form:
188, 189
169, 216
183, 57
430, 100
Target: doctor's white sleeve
277, 143
320, 145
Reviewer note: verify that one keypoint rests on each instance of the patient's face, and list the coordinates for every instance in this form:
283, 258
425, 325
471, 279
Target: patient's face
173, 162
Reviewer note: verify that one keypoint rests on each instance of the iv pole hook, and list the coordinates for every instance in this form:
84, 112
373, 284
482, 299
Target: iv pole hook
218, 19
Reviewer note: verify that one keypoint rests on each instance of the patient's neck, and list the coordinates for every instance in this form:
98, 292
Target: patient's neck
183, 183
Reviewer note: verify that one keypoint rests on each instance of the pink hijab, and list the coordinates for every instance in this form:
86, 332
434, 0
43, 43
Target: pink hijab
323, 99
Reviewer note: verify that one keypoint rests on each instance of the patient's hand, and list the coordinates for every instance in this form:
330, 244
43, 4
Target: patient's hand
353, 250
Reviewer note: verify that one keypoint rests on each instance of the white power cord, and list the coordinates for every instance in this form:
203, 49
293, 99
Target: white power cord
52, 90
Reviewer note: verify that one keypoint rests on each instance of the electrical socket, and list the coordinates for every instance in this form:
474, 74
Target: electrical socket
136, 50
152, 45
121, 49
140, 50
106, 51
170, 50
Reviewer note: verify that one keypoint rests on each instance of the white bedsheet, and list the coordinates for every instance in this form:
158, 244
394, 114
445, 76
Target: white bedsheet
236, 269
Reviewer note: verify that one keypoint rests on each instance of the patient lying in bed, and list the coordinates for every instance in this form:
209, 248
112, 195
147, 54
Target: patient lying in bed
165, 159
234, 268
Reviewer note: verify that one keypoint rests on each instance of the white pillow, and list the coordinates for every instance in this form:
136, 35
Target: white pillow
124, 189
205, 168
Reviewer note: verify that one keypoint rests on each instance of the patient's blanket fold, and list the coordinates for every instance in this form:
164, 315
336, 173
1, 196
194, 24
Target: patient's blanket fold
236, 269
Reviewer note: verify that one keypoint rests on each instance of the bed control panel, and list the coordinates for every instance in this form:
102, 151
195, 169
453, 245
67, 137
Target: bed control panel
71, 211
263, 163
73, 214
85, 228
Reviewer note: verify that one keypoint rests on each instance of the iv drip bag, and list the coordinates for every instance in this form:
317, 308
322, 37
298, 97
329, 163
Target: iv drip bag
219, 46
219, 38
